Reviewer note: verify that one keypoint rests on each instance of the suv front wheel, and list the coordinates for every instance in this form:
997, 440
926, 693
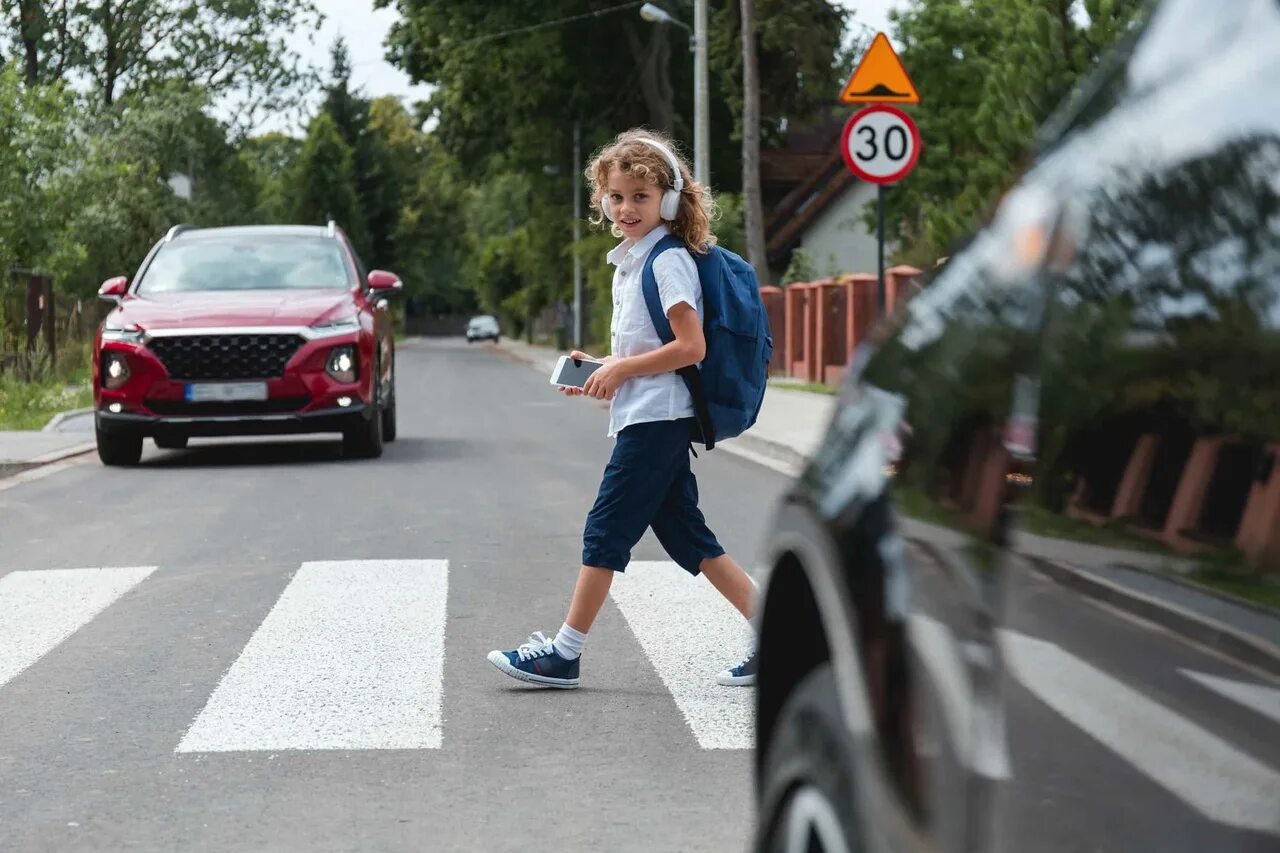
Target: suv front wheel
121, 448
364, 441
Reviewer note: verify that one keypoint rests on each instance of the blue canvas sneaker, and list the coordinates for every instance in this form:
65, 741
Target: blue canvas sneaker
537, 663
742, 675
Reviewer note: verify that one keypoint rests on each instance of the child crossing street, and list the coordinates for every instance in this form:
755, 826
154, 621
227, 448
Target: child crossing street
645, 190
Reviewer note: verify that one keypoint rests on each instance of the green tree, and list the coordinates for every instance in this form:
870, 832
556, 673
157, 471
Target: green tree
270, 160
430, 250
235, 49
325, 180
990, 74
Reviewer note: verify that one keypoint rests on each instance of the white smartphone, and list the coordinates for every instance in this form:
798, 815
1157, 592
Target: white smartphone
573, 372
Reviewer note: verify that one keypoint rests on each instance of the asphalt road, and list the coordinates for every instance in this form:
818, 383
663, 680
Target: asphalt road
258, 645
493, 472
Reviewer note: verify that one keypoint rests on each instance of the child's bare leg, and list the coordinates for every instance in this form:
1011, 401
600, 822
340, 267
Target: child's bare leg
732, 581
588, 597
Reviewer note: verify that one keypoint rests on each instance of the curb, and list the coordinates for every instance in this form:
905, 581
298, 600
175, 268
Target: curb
1254, 651
1203, 590
58, 419
9, 470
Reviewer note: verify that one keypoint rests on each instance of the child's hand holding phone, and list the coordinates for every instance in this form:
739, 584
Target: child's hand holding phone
569, 371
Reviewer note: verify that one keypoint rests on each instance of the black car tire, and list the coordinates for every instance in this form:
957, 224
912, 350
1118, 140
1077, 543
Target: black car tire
495, 338
389, 411
364, 441
171, 442
121, 448
809, 767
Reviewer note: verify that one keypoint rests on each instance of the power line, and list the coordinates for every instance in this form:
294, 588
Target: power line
596, 14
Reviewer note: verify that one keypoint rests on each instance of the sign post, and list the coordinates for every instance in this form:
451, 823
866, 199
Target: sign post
887, 143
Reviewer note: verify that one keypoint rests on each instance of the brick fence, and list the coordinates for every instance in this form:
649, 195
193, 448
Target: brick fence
818, 324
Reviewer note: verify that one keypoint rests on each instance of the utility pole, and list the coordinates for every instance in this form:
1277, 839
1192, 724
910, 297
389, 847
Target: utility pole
701, 126
577, 235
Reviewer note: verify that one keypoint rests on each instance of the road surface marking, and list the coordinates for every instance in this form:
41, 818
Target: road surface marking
984, 751
1200, 768
690, 633
1256, 697
350, 657
40, 609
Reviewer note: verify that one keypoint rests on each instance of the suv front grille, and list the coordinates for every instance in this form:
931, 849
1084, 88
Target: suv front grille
242, 356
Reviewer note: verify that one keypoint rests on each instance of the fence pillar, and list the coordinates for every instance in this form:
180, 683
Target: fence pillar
775, 308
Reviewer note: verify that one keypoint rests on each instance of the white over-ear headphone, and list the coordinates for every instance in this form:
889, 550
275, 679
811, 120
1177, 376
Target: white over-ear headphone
670, 205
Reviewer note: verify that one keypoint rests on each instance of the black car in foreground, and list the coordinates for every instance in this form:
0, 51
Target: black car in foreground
985, 625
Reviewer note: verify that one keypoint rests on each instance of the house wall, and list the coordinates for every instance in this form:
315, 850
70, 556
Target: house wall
839, 231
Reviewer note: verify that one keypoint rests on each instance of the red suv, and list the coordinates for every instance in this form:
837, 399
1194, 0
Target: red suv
255, 330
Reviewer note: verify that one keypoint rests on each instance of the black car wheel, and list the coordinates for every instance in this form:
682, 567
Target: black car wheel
171, 442
808, 775
389, 411
118, 448
364, 441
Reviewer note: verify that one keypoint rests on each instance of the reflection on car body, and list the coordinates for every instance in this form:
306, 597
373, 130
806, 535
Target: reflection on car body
1093, 379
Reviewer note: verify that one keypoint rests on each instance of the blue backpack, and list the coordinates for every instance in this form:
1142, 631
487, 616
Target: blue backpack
728, 387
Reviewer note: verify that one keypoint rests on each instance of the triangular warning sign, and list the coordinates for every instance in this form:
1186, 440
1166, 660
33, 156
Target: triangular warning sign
880, 78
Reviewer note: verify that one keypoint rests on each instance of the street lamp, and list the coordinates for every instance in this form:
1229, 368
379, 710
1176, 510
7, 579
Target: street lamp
698, 47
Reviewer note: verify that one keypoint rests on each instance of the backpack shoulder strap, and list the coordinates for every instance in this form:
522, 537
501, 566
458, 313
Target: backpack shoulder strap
691, 375
649, 286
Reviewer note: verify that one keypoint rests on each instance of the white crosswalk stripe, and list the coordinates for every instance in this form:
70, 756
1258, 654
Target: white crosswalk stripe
689, 633
1257, 697
40, 609
350, 657
977, 737
1197, 766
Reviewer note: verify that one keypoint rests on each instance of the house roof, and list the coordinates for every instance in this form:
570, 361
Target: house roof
792, 216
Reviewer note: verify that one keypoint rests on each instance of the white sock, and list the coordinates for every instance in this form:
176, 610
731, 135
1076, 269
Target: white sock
569, 642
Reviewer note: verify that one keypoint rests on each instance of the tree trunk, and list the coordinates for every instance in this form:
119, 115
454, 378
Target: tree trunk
753, 208
31, 27
653, 60
111, 68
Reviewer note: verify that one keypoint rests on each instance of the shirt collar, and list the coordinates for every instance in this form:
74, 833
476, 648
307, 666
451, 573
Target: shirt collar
637, 248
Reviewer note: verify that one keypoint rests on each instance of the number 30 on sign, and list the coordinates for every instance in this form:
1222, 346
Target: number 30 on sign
880, 144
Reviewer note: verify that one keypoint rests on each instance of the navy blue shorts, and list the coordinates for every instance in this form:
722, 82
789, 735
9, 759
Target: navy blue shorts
649, 483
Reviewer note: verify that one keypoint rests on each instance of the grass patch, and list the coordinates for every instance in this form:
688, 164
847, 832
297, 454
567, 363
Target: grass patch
1221, 570
1043, 522
811, 387
28, 405
1251, 586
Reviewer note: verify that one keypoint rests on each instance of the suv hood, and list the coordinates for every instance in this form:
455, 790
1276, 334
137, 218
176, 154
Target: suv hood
234, 308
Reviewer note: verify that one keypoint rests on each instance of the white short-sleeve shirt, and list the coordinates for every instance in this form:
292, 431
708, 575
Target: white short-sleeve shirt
661, 396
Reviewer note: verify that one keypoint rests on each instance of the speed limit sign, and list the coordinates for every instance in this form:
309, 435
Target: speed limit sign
880, 144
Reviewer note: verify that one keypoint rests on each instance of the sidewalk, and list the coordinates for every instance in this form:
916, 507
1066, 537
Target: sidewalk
792, 425
66, 435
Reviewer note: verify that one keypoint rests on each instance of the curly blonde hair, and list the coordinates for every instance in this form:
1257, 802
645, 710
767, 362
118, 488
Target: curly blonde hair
638, 159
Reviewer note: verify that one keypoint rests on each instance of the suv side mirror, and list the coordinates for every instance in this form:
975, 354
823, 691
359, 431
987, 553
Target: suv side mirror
383, 280
114, 289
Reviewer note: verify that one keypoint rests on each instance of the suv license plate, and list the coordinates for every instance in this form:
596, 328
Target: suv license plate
221, 392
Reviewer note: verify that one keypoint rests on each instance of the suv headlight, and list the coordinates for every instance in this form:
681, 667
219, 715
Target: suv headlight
130, 334
115, 370
338, 327
342, 364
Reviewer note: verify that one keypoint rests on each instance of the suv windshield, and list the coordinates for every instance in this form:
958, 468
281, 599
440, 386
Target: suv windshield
247, 263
